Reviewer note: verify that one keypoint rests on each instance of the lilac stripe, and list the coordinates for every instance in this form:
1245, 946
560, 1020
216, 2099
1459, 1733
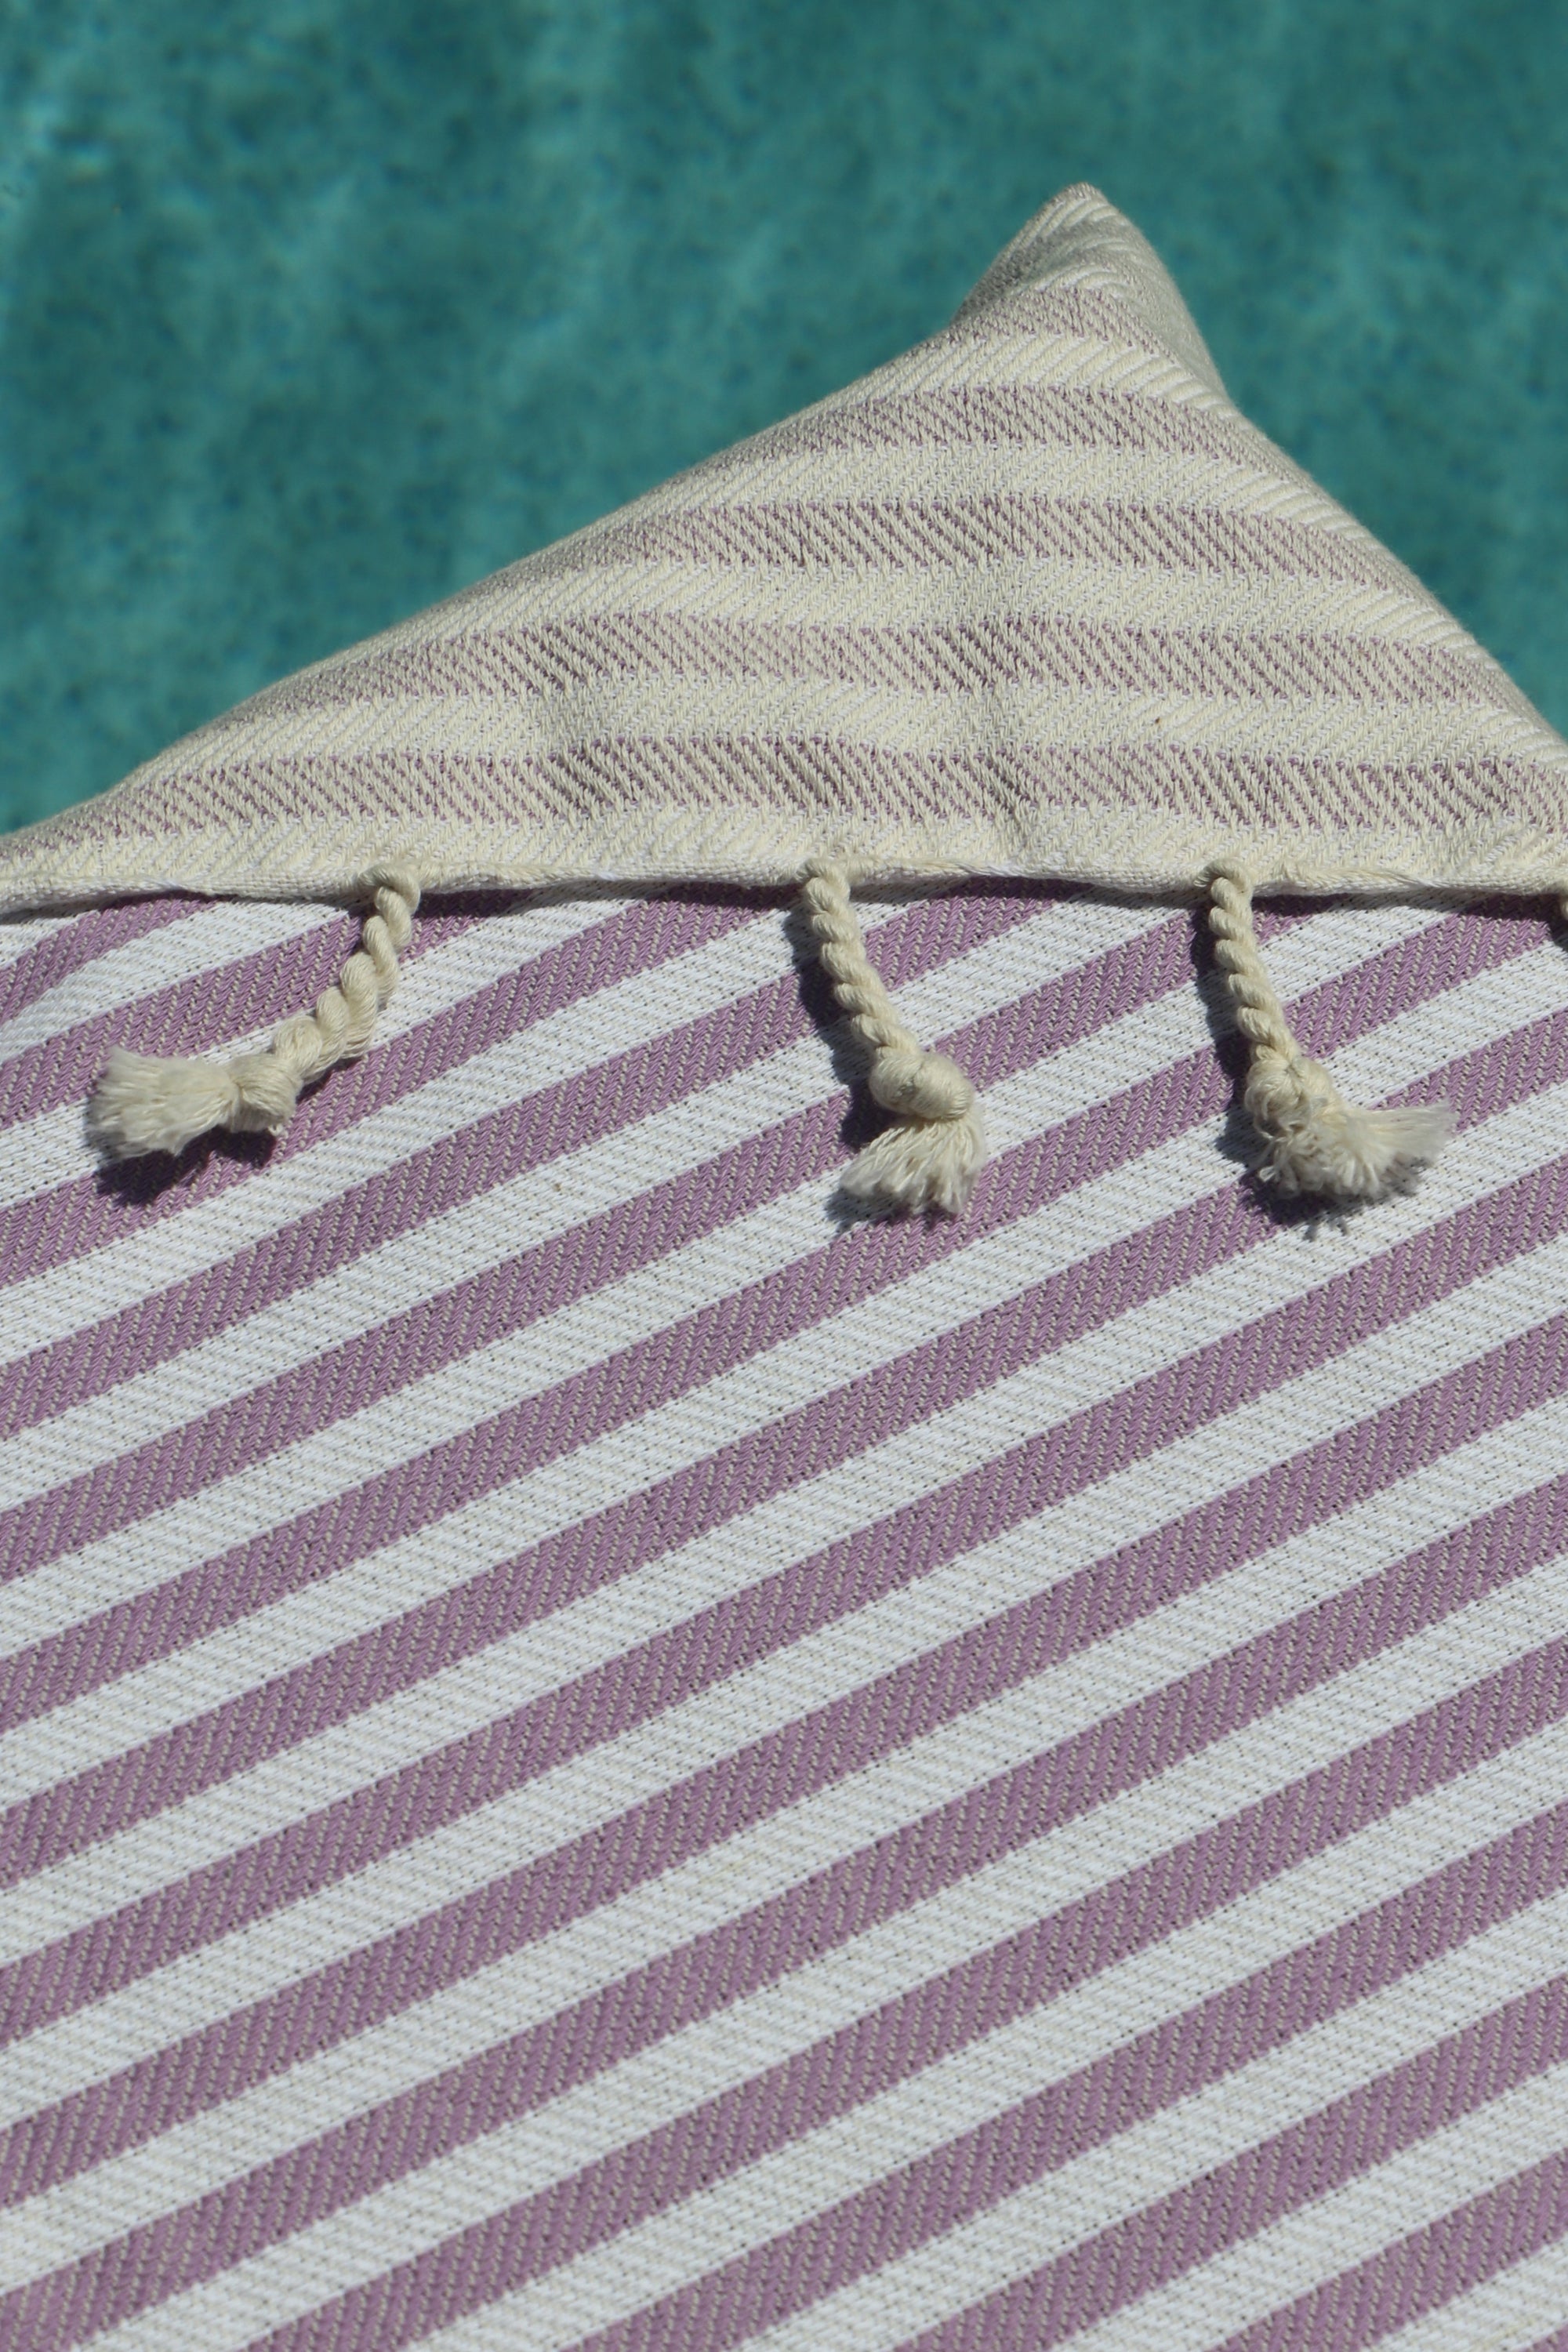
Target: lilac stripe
814, 785
714, 1804
1049, 310
1452, 2079
55, 1227
436, 1333
49, 1229
1148, 1575
988, 416
81, 940
119, 1640
1230, 2205
861, 2061
1420, 2273
885, 534
128, 1636
967, 2176
840, 1902
169, 1767
188, 1015
963, 658
372, 1667
977, 2170
502, 1144
309, 1854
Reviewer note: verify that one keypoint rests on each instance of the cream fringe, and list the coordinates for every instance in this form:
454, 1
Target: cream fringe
1313, 1140
931, 1156
144, 1103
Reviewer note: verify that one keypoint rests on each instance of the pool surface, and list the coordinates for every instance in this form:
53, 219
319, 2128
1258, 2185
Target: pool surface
313, 313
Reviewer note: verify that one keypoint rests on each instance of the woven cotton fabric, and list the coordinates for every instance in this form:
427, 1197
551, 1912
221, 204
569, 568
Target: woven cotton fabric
1033, 600
596, 1759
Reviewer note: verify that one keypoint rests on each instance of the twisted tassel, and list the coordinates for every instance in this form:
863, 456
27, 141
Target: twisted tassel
931, 1157
1313, 1140
143, 1103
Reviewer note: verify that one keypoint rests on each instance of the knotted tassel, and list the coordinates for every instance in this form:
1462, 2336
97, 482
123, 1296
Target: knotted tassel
145, 1104
1313, 1140
931, 1157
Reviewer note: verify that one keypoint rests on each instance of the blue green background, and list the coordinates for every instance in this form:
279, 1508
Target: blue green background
313, 310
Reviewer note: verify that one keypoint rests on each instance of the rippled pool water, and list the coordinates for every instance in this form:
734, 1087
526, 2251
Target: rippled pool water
313, 312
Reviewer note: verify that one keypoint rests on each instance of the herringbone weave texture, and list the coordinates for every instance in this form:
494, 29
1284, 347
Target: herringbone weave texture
597, 1759
1033, 600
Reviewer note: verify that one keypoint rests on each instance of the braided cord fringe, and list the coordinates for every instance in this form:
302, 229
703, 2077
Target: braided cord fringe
931, 1157
145, 1103
1312, 1140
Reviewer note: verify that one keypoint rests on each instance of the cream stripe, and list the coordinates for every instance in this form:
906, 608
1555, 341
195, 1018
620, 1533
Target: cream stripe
1418, 2187
20, 934
459, 1243
1023, 359
723, 2052
900, 720
725, 1881
1421, 2184
1503, 1303
1056, 1235
1327, 1559
434, 1713
57, 1595
1510, 2312
1131, 595
993, 362
662, 843
581, 1795
1036, 357
493, 1841
610, 1021
293, 1630
180, 951
44, 1152
1151, 2158
703, 2060
953, 472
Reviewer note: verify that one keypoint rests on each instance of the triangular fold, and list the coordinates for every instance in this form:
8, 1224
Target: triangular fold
1034, 599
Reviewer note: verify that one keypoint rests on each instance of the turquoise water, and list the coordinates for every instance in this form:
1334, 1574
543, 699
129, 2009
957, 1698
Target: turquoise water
312, 313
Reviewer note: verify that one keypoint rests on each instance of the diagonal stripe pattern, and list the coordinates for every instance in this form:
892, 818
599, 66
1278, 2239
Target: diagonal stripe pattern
593, 1756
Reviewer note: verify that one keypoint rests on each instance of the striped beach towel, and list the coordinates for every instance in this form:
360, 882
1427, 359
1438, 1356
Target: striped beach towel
1034, 599
603, 1753
599, 1759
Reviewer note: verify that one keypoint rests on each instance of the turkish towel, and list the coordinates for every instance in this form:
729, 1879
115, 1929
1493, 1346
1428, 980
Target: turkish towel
1033, 600
598, 1758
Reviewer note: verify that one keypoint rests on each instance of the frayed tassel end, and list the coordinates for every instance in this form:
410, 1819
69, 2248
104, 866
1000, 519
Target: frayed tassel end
920, 1164
931, 1158
1318, 1144
144, 1103
1314, 1142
